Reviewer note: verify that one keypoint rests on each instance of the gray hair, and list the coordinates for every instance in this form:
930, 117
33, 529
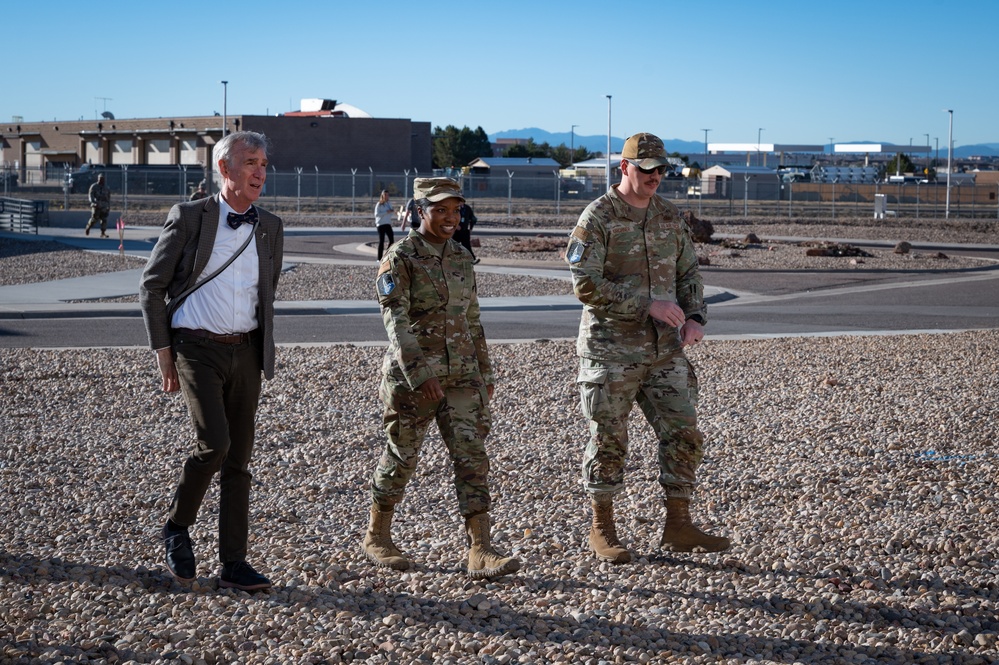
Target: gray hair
226, 148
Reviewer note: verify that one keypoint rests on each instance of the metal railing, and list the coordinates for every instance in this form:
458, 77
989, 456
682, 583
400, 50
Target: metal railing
22, 216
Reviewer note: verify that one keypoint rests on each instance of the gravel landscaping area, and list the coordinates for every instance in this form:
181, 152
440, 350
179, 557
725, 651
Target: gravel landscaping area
857, 484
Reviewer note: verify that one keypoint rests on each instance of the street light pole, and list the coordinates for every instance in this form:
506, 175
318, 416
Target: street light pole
608, 142
758, 133
950, 150
225, 101
927, 174
831, 151
572, 144
705, 148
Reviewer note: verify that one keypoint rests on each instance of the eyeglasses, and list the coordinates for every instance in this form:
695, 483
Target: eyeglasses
661, 169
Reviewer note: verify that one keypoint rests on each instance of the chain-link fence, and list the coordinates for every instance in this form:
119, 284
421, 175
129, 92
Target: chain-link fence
355, 192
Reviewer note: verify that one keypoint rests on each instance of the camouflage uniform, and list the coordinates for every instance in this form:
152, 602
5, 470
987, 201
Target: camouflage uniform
622, 258
100, 206
431, 314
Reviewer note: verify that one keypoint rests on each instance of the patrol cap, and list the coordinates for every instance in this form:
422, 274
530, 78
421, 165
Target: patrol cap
436, 189
646, 149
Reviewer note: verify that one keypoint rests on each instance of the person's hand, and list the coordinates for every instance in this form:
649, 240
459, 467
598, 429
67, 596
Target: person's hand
490, 389
431, 389
168, 370
692, 332
668, 312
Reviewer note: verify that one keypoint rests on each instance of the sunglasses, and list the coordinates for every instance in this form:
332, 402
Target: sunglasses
661, 169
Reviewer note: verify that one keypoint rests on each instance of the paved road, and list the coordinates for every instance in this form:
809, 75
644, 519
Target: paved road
742, 303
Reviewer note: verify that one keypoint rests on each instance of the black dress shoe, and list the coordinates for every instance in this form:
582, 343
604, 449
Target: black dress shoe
241, 575
179, 554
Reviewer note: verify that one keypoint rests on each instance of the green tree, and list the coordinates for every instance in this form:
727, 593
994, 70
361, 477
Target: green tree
559, 153
562, 155
459, 147
900, 163
529, 149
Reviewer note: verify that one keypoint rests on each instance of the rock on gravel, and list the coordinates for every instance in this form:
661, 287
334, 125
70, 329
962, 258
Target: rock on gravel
856, 476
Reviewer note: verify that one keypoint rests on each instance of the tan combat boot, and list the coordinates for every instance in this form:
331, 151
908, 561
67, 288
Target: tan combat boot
378, 545
680, 535
603, 535
483, 560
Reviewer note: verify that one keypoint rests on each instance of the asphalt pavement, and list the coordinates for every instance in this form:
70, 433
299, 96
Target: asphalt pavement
742, 303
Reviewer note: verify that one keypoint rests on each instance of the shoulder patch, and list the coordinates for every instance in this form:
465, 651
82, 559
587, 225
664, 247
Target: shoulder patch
385, 283
576, 250
580, 234
384, 266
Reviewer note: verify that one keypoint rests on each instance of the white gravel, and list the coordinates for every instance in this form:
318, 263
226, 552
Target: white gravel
856, 476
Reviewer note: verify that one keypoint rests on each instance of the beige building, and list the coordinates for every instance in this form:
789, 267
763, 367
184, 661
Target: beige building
42, 151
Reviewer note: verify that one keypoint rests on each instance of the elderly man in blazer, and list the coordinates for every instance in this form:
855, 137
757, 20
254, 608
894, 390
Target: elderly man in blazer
207, 298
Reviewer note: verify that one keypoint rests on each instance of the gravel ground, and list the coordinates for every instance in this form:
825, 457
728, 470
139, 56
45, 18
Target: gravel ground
856, 476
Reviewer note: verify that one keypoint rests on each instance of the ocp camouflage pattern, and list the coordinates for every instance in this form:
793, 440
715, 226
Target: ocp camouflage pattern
622, 258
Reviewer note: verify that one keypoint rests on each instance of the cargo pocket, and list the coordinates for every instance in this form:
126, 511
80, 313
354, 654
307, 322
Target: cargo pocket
592, 393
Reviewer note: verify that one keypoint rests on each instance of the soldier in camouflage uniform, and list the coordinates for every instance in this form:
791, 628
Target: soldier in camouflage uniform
100, 206
436, 368
635, 270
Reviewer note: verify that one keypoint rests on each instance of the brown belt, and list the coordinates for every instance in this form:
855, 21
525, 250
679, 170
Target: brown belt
235, 338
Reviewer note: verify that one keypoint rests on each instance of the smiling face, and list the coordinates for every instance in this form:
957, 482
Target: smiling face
243, 179
440, 220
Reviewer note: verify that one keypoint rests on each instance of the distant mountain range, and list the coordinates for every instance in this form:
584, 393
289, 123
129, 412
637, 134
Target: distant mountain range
599, 143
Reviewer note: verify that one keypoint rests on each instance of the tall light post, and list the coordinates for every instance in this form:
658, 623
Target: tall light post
608, 142
572, 144
705, 149
832, 151
927, 174
225, 101
950, 151
759, 132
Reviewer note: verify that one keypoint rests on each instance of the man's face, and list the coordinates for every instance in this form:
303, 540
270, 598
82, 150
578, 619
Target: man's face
642, 184
440, 221
244, 182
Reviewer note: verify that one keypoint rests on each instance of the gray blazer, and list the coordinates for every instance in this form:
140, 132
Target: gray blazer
182, 253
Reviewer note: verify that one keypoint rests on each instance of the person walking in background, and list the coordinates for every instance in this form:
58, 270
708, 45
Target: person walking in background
464, 233
100, 206
436, 367
207, 297
410, 216
383, 220
200, 192
635, 271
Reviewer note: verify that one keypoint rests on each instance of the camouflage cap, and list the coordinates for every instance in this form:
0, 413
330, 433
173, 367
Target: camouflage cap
646, 149
436, 189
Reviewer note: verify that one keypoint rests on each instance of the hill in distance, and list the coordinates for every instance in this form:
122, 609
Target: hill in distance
599, 143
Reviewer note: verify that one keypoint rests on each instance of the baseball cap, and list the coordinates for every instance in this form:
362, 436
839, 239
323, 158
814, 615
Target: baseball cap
646, 149
436, 189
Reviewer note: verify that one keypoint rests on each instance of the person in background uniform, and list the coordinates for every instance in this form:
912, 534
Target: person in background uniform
635, 271
215, 345
200, 192
100, 206
436, 368
411, 216
383, 221
464, 233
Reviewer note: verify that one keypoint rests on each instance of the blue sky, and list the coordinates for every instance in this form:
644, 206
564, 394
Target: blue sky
805, 72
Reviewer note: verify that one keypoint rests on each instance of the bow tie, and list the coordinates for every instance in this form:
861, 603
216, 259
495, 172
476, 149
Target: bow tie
248, 217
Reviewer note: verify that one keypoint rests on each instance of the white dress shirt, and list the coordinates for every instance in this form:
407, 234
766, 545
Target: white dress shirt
227, 304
